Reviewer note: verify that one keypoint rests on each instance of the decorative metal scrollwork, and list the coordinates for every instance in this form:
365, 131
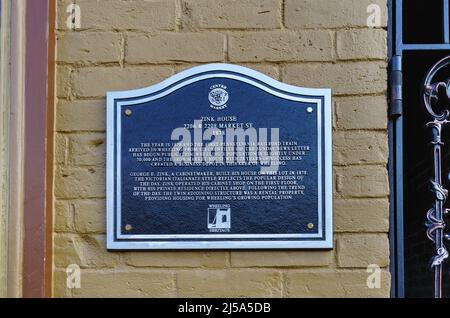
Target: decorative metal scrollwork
431, 90
440, 256
433, 224
440, 193
435, 216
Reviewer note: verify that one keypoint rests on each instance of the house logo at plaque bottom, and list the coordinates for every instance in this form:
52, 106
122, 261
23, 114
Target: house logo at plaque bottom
219, 218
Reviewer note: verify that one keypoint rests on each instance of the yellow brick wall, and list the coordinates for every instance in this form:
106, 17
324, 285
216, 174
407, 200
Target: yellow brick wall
314, 43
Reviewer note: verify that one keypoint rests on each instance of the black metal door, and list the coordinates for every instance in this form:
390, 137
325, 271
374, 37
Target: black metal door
419, 37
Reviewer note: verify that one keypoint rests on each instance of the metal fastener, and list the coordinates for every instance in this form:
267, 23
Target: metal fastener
128, 227
310, 226
309, 109
128, 112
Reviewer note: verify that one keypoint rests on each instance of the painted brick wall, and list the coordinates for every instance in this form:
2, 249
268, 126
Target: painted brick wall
314, 43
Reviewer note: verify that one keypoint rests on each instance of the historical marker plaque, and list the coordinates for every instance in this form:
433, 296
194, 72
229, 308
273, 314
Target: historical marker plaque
219, 157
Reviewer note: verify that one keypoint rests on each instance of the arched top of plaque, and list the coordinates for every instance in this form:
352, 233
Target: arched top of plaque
221, 70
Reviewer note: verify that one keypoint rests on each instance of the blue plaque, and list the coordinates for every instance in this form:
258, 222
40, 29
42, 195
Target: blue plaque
219, 157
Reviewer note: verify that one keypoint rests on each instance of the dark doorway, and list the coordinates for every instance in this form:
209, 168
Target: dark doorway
418, 170
419, 37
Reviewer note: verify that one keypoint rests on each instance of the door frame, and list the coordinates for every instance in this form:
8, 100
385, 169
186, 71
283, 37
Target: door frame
28, 116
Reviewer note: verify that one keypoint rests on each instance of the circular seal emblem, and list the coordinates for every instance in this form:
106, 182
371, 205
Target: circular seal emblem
218, 97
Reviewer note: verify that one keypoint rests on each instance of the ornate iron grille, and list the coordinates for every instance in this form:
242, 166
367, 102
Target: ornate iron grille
435, 216
402, 44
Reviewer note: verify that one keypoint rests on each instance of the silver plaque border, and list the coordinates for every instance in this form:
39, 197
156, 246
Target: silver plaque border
312, 95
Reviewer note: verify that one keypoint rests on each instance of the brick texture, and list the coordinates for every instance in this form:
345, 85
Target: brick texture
283, 259
177, 259
86, 116
362, 181
86, 83
362, 250
87, 149
130, 284
231, 14
139, 15
89, 215
305, 14
360, 147
361, 44
351, 78
85, 251
357, 113
361, 215
175, 47
334, 283
131, 44
276, 46
94, 47
235, 283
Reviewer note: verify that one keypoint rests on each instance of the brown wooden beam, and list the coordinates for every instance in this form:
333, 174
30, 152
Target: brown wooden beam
38, 161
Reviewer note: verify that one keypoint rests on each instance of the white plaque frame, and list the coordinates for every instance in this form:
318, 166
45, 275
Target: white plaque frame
116, 240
